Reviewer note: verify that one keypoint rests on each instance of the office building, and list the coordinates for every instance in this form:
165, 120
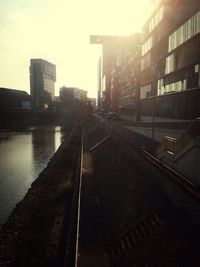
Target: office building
110, 50
42, 79
119, 52
170, 64
99, 82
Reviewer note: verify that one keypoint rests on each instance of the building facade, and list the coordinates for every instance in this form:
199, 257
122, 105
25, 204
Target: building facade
11, 99
72, 97
129, 68
99, 84
170, 63
42, 79
93, 102
120, 57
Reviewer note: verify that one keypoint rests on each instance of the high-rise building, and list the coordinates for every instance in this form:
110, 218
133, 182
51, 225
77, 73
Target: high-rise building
42, 79
99, 93
170, 64
120, 60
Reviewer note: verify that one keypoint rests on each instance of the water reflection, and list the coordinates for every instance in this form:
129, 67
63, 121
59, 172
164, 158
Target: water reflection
23, 155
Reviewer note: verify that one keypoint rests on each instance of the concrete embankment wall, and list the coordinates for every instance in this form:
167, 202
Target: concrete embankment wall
186, 161
182, 193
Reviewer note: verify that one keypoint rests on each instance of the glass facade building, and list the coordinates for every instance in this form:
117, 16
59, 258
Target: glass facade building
42, 79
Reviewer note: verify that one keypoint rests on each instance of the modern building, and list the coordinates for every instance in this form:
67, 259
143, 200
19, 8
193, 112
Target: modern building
93, 102
110, 50
72, 97
11, 99
120, 57
99, 82
170, 64
128, 73
42, 79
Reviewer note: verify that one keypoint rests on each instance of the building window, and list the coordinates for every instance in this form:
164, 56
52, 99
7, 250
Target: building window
172, 87
170, 64
144, 91
153, 6
147, 46
196, 68
189, 29
145, 62
156, 19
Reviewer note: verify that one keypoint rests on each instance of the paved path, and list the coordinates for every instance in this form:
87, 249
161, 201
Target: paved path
150, 119
159, 133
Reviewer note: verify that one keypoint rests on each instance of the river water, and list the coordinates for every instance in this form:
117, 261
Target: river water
23, 155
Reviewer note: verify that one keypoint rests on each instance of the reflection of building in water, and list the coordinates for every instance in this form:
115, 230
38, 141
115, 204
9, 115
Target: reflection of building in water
42, 79
43, 140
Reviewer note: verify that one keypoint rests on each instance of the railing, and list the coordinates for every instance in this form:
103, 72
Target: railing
71, 255
174, 145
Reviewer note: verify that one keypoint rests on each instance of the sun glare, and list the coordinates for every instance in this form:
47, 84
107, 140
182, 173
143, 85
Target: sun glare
61, 36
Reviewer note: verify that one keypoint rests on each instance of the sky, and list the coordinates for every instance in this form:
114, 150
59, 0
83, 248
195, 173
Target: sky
58, 31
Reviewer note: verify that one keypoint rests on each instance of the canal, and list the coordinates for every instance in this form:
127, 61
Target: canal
24, 153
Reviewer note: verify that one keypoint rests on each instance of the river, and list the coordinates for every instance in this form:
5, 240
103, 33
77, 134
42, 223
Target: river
23, 155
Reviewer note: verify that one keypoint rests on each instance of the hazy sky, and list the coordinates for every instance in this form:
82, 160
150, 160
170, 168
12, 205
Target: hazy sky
58, 31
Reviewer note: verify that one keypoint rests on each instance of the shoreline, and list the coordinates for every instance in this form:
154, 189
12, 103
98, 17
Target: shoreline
25, 236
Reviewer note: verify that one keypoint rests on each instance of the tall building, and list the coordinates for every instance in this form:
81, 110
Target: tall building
117, 53
128, 73
42, 79
99, 93
109, 60
170, 64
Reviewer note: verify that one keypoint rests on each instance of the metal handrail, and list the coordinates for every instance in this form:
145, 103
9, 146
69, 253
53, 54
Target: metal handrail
71, 256
190, 188
79, 201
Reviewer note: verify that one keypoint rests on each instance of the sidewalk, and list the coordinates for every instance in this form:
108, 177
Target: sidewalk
150, 119
158, 129
159, 133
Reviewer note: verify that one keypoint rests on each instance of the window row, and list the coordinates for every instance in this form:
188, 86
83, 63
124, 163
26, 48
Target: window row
147, 46
127, 101
156, 19
145, 91
153, 7
185, 32
172, 87
145, 62
170, 64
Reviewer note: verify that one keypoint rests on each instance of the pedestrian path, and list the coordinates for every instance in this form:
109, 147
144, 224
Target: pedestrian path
151, 119
157, 134
158, 127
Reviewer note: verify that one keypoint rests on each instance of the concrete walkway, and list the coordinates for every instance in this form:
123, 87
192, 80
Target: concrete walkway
156, 133
150, 119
